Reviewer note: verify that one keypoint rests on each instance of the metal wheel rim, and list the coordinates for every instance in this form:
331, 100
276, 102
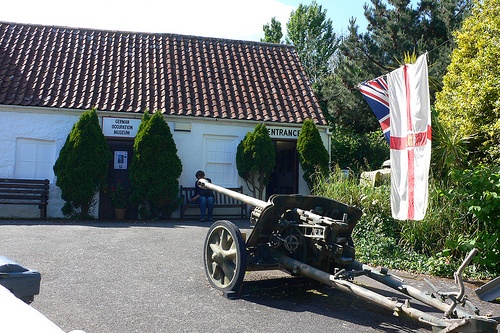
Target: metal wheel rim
222, 257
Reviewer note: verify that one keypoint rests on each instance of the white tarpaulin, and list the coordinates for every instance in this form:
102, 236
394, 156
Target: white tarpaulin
410, 140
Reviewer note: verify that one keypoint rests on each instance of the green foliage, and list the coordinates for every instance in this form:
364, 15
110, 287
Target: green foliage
313, 156
481, 187
311, 33
155, 167
351, 150
470, 101
463, 213
478, 190
119, 195
341, 103
467, 136
272, 32
460, 216
82, 165
145, 118
449, 150
395, 28
255, 160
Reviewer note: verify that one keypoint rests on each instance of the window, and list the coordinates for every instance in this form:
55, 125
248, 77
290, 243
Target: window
35, 159
220, 159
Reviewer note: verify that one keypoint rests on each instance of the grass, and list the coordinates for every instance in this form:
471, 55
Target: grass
436, 245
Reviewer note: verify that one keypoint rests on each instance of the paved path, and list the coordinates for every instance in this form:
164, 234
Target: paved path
149, 277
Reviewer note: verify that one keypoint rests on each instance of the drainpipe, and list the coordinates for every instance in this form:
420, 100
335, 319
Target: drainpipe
329, 142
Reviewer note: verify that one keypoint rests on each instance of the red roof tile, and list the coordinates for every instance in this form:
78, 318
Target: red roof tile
62, 67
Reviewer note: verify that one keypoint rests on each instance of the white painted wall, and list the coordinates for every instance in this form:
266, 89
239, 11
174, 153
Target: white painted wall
190, 144
55, 125
18, 123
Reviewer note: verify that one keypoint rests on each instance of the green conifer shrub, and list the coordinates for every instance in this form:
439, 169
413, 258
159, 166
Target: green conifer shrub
313, 156
155, 167
255, 160
82, 165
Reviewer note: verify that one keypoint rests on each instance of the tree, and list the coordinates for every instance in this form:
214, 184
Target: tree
82, 165
255, 160
155, 167
358, 151
145, 119
394, 28
438, 21
311, 33
341, 103
313, 156
469, 103
272, 32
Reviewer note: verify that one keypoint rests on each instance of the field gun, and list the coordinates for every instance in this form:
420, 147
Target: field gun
311, 236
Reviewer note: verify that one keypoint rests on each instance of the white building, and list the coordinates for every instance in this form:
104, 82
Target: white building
211, 92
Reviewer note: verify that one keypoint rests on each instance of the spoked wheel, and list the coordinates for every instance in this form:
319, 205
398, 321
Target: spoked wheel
225, 256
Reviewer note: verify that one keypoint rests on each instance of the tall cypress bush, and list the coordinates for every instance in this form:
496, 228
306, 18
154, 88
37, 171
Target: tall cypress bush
155, 167
255, 160
313, 156
82, 165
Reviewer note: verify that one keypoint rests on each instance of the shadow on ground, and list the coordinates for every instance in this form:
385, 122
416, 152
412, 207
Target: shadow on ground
301, 294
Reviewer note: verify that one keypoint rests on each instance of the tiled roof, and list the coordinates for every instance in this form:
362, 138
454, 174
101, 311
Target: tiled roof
61, 67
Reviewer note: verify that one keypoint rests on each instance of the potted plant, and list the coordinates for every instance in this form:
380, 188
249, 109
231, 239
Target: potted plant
119, 196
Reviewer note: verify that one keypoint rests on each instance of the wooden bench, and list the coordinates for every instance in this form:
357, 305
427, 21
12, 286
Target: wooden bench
221, 201
25, 192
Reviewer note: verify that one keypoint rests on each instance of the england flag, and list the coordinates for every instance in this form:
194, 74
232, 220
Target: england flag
410, 140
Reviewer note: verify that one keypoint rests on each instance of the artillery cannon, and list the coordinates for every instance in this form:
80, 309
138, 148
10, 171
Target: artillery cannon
311, 236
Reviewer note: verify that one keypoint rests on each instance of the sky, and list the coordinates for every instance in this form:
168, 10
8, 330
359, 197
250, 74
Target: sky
232, 19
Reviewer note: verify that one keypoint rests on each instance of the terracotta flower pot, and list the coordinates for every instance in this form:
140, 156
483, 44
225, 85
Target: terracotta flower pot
120, 213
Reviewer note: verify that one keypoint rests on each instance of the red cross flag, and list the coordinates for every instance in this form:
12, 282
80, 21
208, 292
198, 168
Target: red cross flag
410, 142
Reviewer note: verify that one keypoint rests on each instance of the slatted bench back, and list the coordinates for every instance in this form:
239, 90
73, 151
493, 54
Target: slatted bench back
25, 192
221, 200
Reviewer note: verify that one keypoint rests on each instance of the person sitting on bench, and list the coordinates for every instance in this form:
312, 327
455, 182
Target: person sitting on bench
204, 197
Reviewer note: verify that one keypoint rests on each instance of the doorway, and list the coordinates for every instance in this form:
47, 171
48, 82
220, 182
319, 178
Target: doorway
284, 178
122, 151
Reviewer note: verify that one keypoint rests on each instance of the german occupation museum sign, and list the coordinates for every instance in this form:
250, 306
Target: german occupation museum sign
120, 127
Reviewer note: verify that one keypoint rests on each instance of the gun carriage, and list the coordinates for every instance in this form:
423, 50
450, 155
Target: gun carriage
311, 236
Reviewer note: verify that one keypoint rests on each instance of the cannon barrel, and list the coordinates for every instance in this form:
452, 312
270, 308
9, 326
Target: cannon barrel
203, 183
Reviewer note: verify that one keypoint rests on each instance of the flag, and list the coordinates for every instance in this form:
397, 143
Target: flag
375, 93
410, 141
